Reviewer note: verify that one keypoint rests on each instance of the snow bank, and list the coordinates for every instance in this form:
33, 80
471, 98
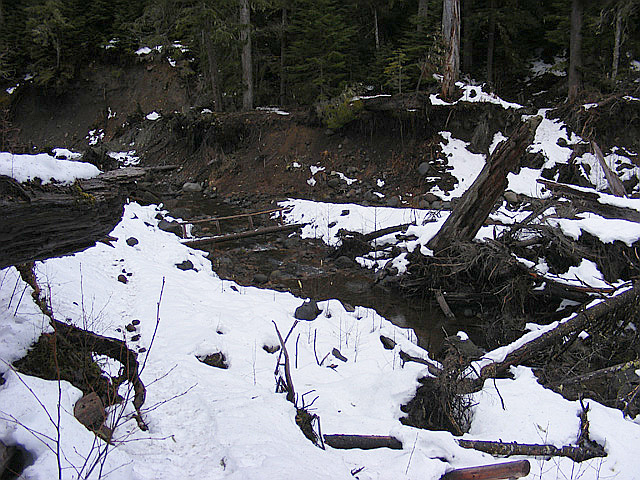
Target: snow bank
45, 167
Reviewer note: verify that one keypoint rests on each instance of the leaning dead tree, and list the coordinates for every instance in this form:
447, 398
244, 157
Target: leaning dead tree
478, 201
43, 221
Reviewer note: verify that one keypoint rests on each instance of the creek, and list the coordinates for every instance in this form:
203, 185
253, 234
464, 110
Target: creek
286, 262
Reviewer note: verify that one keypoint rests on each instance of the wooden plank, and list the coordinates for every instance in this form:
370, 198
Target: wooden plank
236, 236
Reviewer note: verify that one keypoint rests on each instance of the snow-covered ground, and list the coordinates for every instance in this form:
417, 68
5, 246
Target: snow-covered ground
211, 423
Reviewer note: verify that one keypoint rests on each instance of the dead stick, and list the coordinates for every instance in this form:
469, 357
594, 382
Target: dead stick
575, 453
291, 394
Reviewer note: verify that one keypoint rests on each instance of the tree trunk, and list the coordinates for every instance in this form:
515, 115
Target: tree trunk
50, 221
207, 44
477, 202
451, 38
375, 21
423, 12
247, 61
617, 42
491, 40
467, 44
575, 50
283, 30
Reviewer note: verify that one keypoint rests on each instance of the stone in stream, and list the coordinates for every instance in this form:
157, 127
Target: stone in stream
307, 311
191, 187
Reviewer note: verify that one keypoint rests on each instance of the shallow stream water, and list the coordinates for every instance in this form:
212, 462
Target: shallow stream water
307, 272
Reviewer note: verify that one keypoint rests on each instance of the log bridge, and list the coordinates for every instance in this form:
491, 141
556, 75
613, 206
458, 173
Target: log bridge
251, 232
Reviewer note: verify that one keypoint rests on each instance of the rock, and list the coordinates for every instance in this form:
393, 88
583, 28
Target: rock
185, 265
466, 348
271, 348
132, 241
387, 343
135, 338
344, 262
191, 187
130, 327
344, 213
275, 276
334, 183
89, 411
135, 322
307, 311
217, 360
171, 227
336, 353
423, 168
123, 279
430, 197
511, 197
348, 307
260, 278
394, 201
423, 204
562, 142
437, 205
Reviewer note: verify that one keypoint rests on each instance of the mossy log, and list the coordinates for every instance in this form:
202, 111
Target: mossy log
43, 221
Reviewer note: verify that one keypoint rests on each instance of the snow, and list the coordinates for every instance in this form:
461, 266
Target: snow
26, 167
474, 94
153, 116
465, 165
215, 423
275, 110
127, 159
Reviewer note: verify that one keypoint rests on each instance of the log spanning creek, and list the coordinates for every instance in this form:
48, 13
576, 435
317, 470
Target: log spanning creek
279, 259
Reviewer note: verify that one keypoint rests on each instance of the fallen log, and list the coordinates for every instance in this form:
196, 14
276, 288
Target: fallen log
44, 221
498, 471
433, 370
236, 236
478, 201
575, 324
505, 449
586, 377
589, 201
363, 442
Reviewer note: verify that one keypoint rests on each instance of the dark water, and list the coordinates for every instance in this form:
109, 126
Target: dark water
310, 274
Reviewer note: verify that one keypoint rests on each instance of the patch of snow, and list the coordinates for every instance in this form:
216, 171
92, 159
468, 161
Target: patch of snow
64, 154
380, 183
344, 178
588, 106
497, 139
95, 136
143, 51
171, 61
45, 167
153, 116
206, 111
10, 90
465, 165
315, 169
127, 159
311, 181
275, 110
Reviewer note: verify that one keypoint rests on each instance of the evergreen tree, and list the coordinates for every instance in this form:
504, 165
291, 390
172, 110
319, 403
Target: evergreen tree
320, 54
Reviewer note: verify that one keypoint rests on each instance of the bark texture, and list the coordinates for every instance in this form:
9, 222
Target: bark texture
477, 202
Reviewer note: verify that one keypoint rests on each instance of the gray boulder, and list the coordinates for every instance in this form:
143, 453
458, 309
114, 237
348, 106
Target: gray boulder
171, 227
307, 311
191, 187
